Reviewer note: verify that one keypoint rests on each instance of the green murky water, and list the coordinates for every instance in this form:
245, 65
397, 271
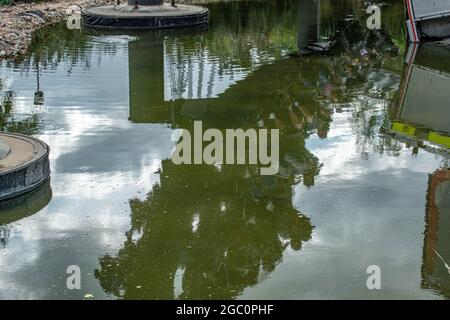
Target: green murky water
363, 176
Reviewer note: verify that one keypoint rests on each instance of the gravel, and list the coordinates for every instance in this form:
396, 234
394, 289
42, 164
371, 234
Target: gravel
18, 22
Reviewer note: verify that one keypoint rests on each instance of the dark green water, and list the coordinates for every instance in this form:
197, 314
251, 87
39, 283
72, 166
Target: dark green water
363, 177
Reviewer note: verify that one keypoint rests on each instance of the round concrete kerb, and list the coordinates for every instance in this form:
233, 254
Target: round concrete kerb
145, 17
24, 165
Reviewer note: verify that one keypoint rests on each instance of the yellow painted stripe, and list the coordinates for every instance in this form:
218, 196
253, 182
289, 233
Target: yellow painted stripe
439, 139
403, 129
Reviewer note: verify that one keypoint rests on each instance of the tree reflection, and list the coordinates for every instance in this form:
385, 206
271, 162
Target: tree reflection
223, 232
212, 231
11, 122
209, 232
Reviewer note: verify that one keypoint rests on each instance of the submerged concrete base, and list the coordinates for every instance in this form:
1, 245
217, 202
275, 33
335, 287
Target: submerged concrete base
130, 17
25, 166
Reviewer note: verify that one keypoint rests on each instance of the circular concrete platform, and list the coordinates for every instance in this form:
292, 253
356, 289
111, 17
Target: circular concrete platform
25, 166
129, 17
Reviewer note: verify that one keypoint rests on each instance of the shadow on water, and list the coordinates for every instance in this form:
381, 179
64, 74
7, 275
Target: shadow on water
421, 119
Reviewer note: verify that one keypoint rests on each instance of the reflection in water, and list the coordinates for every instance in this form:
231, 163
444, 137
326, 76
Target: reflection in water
38, 95
10, 121
421, 119
210, 232
436, 249
421, 107
308, 24
23, 206
222, 231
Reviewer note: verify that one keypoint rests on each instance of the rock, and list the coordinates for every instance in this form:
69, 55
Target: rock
36, 14
4, 44
445, 42
73, 9
26, 18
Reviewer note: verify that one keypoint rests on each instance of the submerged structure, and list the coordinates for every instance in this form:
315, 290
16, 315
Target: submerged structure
24, 164
145, 15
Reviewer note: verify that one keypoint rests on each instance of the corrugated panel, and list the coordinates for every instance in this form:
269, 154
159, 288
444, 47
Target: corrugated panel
426, 9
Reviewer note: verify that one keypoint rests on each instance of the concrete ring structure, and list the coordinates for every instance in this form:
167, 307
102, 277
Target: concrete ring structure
25, 166
145, 17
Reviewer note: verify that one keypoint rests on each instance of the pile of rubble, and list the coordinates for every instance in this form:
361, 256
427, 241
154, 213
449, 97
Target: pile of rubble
18, 22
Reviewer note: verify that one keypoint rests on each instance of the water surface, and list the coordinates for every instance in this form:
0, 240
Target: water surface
363, 177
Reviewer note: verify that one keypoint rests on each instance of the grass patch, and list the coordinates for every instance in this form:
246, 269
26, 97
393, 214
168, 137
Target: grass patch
6, 2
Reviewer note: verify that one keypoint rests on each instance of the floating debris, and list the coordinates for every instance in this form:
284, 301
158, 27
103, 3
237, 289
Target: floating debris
320, 46
88, 296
